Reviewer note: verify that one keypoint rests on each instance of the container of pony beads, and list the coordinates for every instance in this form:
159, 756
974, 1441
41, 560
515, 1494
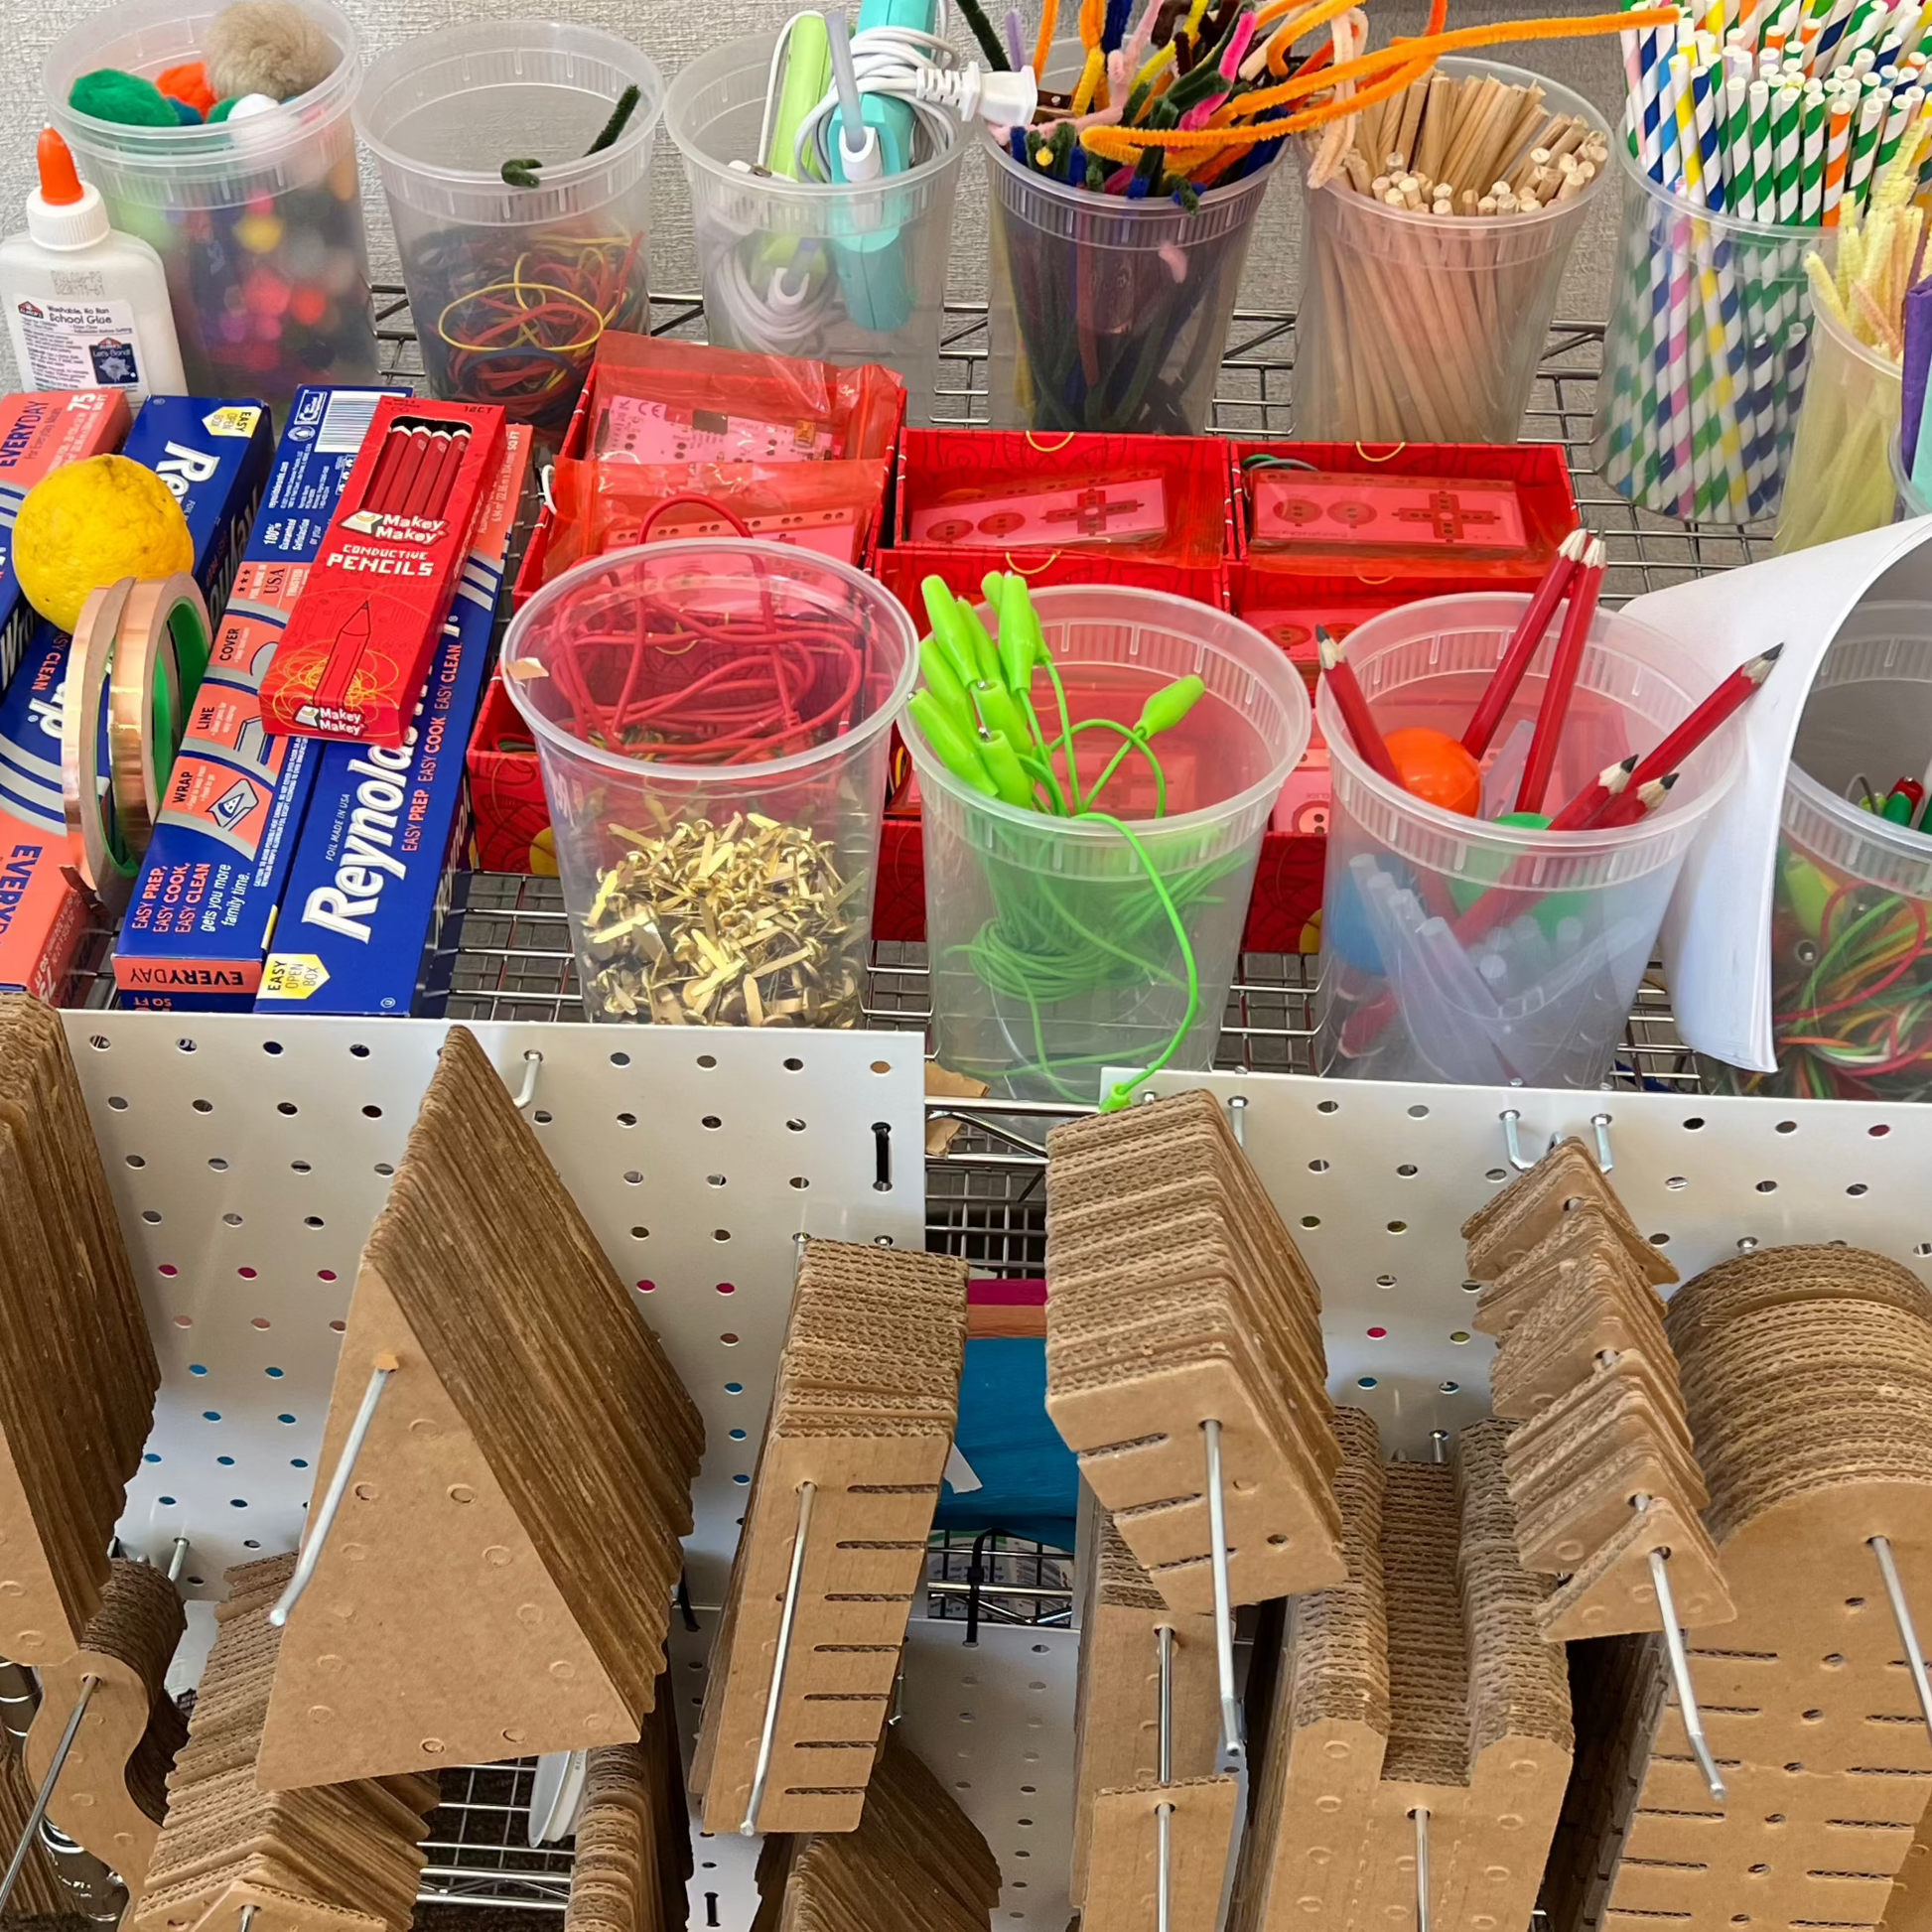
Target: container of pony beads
258, 221
713, 724
1852, 914
519, 182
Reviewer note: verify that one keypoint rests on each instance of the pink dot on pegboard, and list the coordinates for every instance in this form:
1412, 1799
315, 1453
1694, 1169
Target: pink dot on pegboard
260, 1322
168, 1269
646, 1288
726, 1287
183, 1321
246, 1274
339, 1326
1377, 1334
325, 1274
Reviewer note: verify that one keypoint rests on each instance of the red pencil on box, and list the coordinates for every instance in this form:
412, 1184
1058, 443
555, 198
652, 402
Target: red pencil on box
394, 447
1354, 708
1565, 661
1522, 646
1730, 695
401, 479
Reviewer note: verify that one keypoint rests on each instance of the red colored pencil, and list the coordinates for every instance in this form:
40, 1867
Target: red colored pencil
1635, 803
376, 495
1355, 709
439, 501
402, 478
1522, 646
1561, 685
425, 478
1736, 690
1595, 796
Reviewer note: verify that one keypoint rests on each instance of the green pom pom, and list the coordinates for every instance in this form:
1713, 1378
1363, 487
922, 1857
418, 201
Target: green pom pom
221, 111
111, 95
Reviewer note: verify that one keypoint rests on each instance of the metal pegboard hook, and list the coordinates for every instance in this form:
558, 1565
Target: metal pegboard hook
31, 1830
1421, 1817
1680, 1667
1512, 1122
1602, 1123
1901, 1616
1238, 1118
178, 1561
774, 1697
1163, 1813
527, 1093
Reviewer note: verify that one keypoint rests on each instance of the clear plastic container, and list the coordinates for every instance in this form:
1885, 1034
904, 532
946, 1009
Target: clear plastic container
1429, 329
1838, 482
259, 222
813, 268
1706, 356
510, 288
1052, 955
1104, 314
1540, 999
1851, 917
703, 892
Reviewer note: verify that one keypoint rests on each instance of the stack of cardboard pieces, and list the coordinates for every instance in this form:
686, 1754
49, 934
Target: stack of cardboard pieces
338, 1858
113, 1791
1603, 1471
1178, 1297
1117, 1782
521, 1492
77, 1371
914, 1863
1420, 1683
1807, 1375
864, 1411
37, 1892
633, 1839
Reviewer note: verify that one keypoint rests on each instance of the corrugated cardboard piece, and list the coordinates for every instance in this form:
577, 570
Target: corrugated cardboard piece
521, 1492
633, 1839
914, 1863
113, 1791
1602, 1473
1177, 1297
1805, 1698
1421, 1684
77, 1371
338, 1858
867, 1398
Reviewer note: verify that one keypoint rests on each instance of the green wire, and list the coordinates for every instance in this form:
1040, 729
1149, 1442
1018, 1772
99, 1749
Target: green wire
1135, 743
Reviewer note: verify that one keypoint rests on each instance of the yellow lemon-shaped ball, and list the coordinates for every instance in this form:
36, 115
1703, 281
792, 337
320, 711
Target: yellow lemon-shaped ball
91, 524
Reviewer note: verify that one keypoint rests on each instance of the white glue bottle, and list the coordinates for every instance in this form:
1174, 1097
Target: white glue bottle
86, 307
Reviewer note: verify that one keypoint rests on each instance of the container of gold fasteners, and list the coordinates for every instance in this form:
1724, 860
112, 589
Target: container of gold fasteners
712, 721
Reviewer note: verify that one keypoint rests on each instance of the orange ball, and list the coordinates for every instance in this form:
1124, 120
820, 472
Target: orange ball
1435, 768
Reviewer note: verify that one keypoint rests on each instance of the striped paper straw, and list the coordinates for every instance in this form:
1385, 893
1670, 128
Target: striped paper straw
1787, 117
1837, 138
1811, 178
1764, 189
1865, 145
1839, 25
1711, 161
1739, 184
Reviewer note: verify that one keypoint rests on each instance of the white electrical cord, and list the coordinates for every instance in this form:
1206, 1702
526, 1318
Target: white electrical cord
789, 317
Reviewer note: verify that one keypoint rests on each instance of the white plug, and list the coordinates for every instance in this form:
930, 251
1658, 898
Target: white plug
863, 163
1001, 100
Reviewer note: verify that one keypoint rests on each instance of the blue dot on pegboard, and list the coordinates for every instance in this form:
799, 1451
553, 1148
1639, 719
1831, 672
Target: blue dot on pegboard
1365, 1382
226, 1462
166, 1502
734, 1387
275, 1373
210, 1415
738, 1435
237, 1502
150, 1458
284, 1418
741, 1479
198, 1368
297, 1461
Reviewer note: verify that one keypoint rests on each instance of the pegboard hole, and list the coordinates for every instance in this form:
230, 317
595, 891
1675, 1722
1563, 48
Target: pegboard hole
181, 1320
202, 1106
1857, 1188
725, 1234
1660, 1240
1449, 1388
641, 1234
1327, 1106
1880, 1132
1419, 1112
1677, 1183
1385, 1281
795, 1126
646, 1288
726, 1287
542, 1116
1923, 1249
1365, 1381
271, 1046
100, 1042
1472, 1287
1835, 1661
1767, 1186
300, 1167
1787, 1127
371, 1112
1458, 1336
297, 1461
737, 1435
226, 1462
286, 1420
312, 1220
185, 1045
1278, 1539
286, 1107
730, 1342
734, 1387
152, 1216
706, 1059
1398, 1227
713, 1181
246, 1274
1378, 1335
741, 1479
799, 1181
621, 1060
259, 1321
1317, 1167
1407, 1170
137, 1160
325, 1274
166, 1502
384, 1168
275, 1374
1311, 1220
232, 1220
627, 1120
359, 1052
168, 1269
1495, 1174
795, 1065
1814, 1716
118, 1104
217, 1163
339, 1326
634, 1177
1693, 1124
210, 1415
198, 1368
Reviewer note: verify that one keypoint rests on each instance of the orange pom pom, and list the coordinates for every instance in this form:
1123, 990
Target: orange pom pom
188, 82
1435, 768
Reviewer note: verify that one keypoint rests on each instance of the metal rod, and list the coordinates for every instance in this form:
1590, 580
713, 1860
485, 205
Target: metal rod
1163, 1813
1232, 1741
1164, 1649
788, 1617
1238, 1118
1439, 1444
31, 1830
532, 1066
1902, 1615
1680, 1670
1602, 1123
1421, 1815
331, 1501
247, 1918
1512, 1140
178, 1561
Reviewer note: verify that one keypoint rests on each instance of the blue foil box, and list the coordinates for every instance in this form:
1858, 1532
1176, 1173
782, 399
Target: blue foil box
361, 895
205, 906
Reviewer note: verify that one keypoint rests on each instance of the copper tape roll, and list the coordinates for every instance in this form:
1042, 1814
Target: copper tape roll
121, 722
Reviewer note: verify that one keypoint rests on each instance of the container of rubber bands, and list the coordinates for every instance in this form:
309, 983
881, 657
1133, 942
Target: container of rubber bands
1109, 311
519, 182
1062, 945
796, 262
713, 724
1851, 913
1436, 254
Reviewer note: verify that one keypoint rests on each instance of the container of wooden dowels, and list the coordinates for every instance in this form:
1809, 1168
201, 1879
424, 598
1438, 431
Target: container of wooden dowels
1438, 224
713, 725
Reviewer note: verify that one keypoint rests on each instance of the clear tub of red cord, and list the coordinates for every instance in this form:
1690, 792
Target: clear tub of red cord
713, 724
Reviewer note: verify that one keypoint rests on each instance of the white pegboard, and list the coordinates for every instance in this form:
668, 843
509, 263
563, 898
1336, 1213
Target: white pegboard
1375, 1180
250, 1156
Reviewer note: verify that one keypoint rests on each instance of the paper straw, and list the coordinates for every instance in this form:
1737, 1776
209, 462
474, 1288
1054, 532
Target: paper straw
1738, 178
1837, 137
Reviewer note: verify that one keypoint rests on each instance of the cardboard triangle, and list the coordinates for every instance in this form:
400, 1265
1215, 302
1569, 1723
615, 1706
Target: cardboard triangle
111, 1794
1614, 1590
432, 1633
1511, 1224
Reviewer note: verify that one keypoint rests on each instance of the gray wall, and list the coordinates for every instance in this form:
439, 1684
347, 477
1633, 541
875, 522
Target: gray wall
673, 35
